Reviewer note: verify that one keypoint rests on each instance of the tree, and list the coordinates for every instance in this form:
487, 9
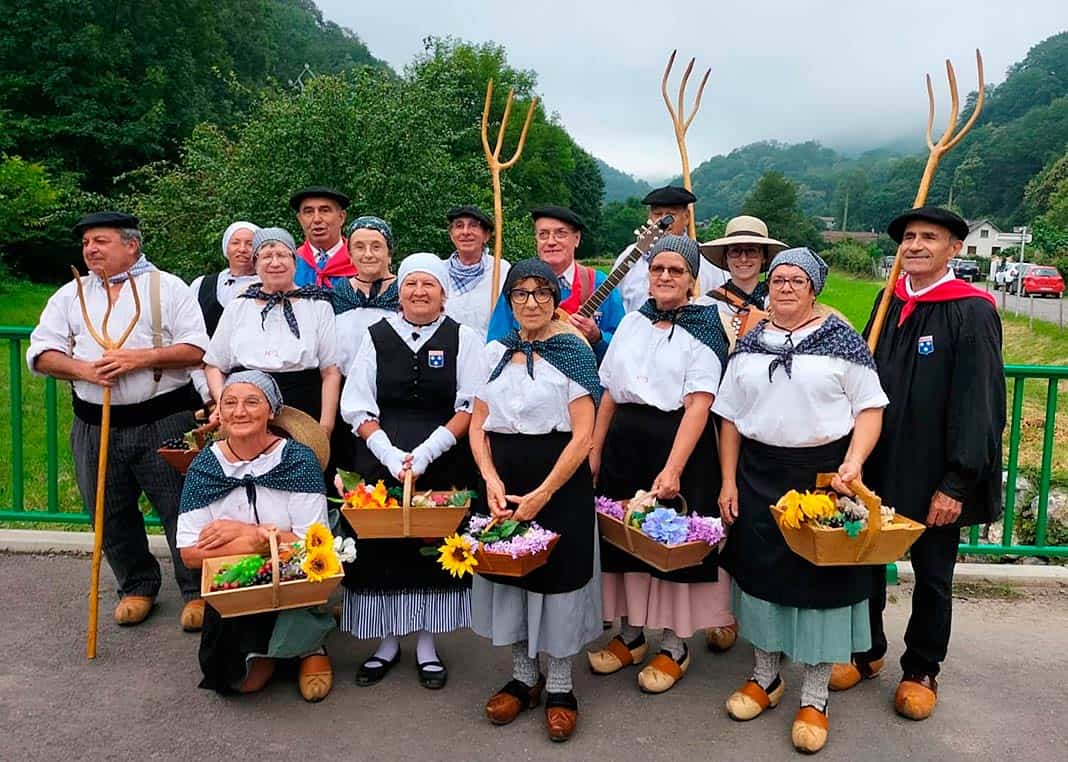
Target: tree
619, 220
774, 200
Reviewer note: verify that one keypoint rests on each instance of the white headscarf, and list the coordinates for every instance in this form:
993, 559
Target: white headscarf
234, 227
423, 262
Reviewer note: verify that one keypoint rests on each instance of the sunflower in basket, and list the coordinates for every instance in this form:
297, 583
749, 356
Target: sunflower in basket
320, 563
457, 556
318, 536
798, 508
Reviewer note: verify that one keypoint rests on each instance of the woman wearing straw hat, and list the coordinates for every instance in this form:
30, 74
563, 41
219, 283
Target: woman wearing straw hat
234, 492
653, 429
284, 331
408, 399
800, 396
530, 435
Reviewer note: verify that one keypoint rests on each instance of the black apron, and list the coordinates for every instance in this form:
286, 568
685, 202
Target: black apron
209, 302
523, 461
756, 554
636, 448
416, 394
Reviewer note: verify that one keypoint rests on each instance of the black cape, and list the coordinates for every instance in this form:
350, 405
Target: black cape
945, 378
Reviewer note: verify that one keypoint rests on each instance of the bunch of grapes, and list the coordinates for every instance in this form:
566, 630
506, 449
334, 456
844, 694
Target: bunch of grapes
176, 443
290, 570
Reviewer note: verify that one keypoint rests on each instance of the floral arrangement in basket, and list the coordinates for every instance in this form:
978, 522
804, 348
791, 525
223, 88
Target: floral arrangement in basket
663, 524
315, 559
506, 545
356, 493
830, 511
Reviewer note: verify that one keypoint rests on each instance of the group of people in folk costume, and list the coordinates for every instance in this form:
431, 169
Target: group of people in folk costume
658, 387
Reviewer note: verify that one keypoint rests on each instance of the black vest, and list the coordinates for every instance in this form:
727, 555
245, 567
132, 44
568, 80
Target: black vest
209, 302
422, 381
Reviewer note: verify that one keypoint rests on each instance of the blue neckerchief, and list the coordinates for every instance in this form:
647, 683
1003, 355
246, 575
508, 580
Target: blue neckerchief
701, 322
464, 277
565, 351
205, 482
140, 267
255, 291
832, 339
344, 297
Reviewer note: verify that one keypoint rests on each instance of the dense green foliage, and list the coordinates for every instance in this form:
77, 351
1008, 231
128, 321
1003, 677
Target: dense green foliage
775, 201
619, 186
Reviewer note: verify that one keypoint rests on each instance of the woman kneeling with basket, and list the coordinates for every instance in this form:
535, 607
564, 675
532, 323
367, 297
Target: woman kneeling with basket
800, 396
531, 434
660, 375
236, 493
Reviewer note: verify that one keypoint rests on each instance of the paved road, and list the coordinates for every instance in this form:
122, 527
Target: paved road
1050, 310
1003, 695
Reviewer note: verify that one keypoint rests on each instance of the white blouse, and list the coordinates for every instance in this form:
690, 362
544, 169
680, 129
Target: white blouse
240, 341
359, 397
351, 328
62, 328
227, 287
643, 367
634, 288
519, 404
289, 511
817, 405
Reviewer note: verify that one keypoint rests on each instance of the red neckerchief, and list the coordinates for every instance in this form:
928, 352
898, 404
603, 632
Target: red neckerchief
949, 291
338, 265
578, 295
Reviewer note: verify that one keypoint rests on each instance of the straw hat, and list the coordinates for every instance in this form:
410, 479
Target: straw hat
743, 229
301, 427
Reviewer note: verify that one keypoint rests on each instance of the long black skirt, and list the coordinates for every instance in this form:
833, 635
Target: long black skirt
398, 565
636, 448
225, 644
523, 461
756, 554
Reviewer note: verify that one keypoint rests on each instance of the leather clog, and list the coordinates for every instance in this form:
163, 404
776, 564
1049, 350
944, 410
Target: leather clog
845, 676
133, 609
506, 704
750, 701
809, 731
916, 696
192, 618
561, 715
662, 672
616, 655
720, 639
316, 677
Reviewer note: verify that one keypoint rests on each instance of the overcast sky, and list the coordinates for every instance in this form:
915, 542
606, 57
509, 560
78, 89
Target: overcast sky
849, 74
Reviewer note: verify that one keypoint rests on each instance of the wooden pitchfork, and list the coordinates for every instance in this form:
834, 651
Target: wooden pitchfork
103, 338
682, 122
493, 159
936, 151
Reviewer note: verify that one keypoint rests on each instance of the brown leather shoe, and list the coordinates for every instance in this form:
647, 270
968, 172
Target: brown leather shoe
720, 639
561, 715
316, 677
810, 729
506, 704
845, 676
916, 696
192, 618
133, 609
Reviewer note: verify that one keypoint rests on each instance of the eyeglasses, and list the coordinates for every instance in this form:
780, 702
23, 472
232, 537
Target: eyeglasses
751, 252
541, 295
672, 270
796, 284
272, 257
560, 234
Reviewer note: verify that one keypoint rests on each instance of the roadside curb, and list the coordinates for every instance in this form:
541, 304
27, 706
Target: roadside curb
74, 543
1012, 574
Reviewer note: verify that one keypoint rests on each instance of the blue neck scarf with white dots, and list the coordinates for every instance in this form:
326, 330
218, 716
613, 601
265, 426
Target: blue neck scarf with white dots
565, 351
205, 482
344, 297
832, 339
701, 322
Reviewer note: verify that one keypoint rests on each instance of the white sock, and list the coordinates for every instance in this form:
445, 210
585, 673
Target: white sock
559, 677
387, 649
524, 668
425, 651
815, 687
673, 644
767, 667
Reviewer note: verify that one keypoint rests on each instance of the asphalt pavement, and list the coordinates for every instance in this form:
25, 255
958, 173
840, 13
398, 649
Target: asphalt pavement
1002, 693
1045, 308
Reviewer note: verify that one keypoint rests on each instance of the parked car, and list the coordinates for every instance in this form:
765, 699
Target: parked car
965, 269
1005, 277
1042, 281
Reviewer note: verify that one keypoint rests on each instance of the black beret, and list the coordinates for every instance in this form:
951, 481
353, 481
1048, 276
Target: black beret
106, 220
954, 223
669, 195
558, 213
469, 210
318, 191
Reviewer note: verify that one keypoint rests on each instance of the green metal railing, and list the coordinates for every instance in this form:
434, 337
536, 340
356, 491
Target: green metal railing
1018, 374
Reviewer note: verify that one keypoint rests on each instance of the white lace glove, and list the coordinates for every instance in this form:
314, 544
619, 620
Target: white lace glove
436, 445
389, 456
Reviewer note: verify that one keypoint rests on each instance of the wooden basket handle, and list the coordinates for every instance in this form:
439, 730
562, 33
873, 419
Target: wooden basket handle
871, 501
276, 575
406, 502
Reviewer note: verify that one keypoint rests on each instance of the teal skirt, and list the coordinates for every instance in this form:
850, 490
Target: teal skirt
807, 636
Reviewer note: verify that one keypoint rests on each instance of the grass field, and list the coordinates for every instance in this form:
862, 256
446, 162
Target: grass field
1045, 345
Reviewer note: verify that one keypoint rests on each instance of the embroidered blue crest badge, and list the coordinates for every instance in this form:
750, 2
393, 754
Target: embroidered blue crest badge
925, 346
436, 358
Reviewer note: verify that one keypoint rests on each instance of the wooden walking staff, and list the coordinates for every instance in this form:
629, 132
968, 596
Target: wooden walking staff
103, 338
493, 159
682, 122
936, 151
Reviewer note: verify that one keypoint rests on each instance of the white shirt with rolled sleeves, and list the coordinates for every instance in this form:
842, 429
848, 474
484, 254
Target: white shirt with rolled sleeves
634, 288
359, 397
474, 307
62, 328
242, 341
289, 511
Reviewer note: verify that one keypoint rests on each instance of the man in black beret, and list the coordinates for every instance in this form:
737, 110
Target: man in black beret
323, 258
676, 201
151, 392
938, 460
468, 298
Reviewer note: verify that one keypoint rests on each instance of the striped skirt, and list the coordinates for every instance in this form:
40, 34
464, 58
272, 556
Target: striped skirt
378, 614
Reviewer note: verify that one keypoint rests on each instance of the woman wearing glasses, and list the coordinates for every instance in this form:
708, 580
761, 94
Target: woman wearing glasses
653, 433
530, 434
800, 396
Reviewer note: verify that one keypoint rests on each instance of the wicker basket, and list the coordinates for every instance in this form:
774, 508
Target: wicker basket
406, 521
826, 546
503, 565
666, 558
182, 459
277, 596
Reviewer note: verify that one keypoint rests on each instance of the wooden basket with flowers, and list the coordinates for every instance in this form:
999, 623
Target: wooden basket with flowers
295, 575
662, 537
507, 548
831, 530
375, 513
